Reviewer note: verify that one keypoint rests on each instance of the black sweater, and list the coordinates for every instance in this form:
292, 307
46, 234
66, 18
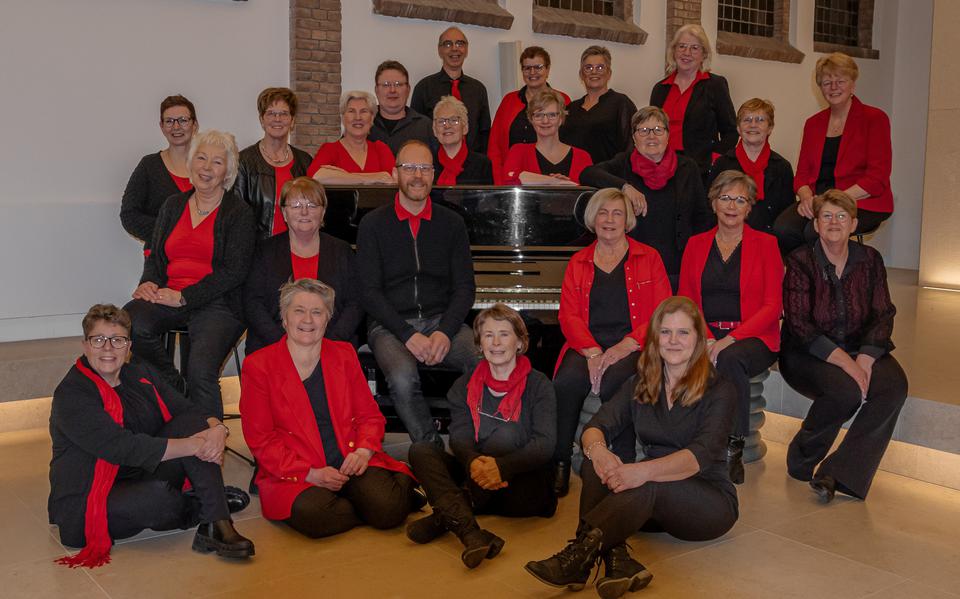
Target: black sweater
402, 277
272, 267
256, 184
149, 186
477, 169
519, 447
233, 243
777, 188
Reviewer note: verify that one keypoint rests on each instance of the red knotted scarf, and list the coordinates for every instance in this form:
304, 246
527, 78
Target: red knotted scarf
509, 407
754, 169
655, 175
452, 166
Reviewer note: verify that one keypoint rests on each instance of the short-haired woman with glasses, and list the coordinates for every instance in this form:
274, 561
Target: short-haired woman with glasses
599, 122
511, 125
354, 158
158, 176
124, 441
664, 188
300, 252
735, 275
455, 163
549, 161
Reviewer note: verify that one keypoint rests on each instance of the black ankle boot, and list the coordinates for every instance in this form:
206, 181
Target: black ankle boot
478, 544
561, 479
222, 537
621, 573
237, 499
825, 487
735, 459
427, 529
570, 567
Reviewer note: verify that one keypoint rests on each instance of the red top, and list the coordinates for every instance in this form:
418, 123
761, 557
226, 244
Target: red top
281, 430
510, 107
305, 268
676, 106
404, 214
379, 158
761, 283
282, 175
182, 183
190, 250
865, 156
647, 286
523, 157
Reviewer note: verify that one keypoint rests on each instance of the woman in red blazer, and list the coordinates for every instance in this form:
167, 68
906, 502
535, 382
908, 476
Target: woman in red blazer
845, 147
314, 428
735, 274
609, 291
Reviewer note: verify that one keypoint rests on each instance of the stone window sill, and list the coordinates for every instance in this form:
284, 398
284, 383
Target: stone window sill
557, 21
752, 46
854, 51
486, 13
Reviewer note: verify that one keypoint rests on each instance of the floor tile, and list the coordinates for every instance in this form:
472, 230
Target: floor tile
43, 579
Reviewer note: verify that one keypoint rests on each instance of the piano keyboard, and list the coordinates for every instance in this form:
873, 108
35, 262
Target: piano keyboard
524, 304
519, 298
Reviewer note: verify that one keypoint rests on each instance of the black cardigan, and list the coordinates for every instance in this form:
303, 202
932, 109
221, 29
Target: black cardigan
517, 449
233, 243
402, 277
149, 186
710, 122
256, 184
777, 188
477, 169
82, 432
272, 267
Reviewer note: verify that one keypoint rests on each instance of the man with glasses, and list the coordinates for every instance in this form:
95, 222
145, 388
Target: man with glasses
451, 81
417, 286
397, 123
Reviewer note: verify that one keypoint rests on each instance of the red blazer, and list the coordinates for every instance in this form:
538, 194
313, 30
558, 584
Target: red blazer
499, 144
865, 157
523, 157
761, 283
647, 286
281, 430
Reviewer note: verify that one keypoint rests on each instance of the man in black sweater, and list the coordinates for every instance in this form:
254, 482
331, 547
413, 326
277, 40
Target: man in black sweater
396, 123
417, 286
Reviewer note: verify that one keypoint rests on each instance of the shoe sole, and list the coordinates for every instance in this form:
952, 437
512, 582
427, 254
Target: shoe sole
204, 546
572, 586
612, 588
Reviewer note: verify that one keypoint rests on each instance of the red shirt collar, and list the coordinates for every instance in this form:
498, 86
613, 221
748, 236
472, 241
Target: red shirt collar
404, 214
701, 75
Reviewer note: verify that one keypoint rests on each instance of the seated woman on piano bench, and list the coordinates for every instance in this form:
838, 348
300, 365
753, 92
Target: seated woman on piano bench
503, 427
609, 291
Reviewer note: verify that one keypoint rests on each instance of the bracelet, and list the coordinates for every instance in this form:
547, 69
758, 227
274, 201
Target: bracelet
587, 451
596, 355
225, 427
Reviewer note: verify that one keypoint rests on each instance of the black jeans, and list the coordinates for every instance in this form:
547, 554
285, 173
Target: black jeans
739, 363
141, 499
378, 497
447, 482
572, 384
693, 509
214, 330
793, 230
836, 398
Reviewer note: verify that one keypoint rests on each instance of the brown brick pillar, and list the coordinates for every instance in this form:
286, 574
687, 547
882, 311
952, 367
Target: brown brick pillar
315, 30
680, 13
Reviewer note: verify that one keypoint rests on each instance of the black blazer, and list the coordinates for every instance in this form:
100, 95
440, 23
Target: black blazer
272, 267
256, 184
777, 188
234, 238
477, 169
148, 188
710, 122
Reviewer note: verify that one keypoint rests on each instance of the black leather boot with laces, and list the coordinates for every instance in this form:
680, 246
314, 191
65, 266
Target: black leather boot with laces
571, 567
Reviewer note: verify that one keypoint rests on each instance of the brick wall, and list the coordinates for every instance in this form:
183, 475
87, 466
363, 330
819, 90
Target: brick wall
315, 30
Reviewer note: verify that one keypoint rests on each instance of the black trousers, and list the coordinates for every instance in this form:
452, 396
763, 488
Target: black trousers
214, 330
449, 487
572, 384
141, 499
793, 230
693, 509
378, 497
739, 363
836, 398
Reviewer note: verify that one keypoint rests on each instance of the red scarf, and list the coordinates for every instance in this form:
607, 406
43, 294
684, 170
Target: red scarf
452, 167
97, 550
509, 407
654, 175
754, 169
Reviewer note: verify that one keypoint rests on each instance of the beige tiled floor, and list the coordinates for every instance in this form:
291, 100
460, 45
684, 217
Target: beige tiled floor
901, 543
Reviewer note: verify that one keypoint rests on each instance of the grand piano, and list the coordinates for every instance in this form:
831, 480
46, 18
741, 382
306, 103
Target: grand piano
521, 239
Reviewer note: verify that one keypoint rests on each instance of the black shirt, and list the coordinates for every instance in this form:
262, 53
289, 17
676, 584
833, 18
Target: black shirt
828, 163
521, 129
609, 306
473, 94
560, 168
604, 130
477, 169
720, 288
317, 393
658, 228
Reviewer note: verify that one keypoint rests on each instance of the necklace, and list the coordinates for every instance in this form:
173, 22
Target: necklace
281, 160
200, 212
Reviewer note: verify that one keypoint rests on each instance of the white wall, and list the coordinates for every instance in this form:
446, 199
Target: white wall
82, 82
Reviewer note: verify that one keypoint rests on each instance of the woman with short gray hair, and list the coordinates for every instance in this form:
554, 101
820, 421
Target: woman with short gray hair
354, 159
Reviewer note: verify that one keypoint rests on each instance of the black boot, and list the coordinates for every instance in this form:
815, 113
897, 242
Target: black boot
621, 573
478, 544
222, 537
424, 530
561, 479
735, 459
570, 567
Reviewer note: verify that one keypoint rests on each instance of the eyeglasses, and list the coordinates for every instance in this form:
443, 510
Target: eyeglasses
645, 131
748, 120
740, 201
694, 48
277, 114
447, 44
409, 168
594, 68
391, 84
828, 217
444, 121
533, 68
545, 116
298, 204
117, 341
183, 121
838, 83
